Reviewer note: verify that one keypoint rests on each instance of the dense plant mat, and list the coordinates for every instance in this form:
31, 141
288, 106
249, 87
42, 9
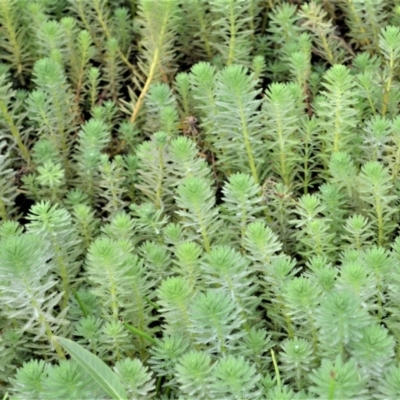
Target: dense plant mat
199, 199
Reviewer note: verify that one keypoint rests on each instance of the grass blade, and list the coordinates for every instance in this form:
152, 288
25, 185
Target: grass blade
95, 367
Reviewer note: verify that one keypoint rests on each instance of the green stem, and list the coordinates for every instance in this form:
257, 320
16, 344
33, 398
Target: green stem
3, 211
204, 30
15, 132
43, 321
160, 179
232, 33
203, 230
379, 217
247, 144
332, 384
277, 374
388, 85
80, 304
282, 153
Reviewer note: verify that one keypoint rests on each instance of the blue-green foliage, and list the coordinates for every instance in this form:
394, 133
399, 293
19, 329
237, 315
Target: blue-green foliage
204, 195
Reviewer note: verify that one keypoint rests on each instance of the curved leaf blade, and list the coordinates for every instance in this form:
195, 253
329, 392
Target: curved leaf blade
95, 367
